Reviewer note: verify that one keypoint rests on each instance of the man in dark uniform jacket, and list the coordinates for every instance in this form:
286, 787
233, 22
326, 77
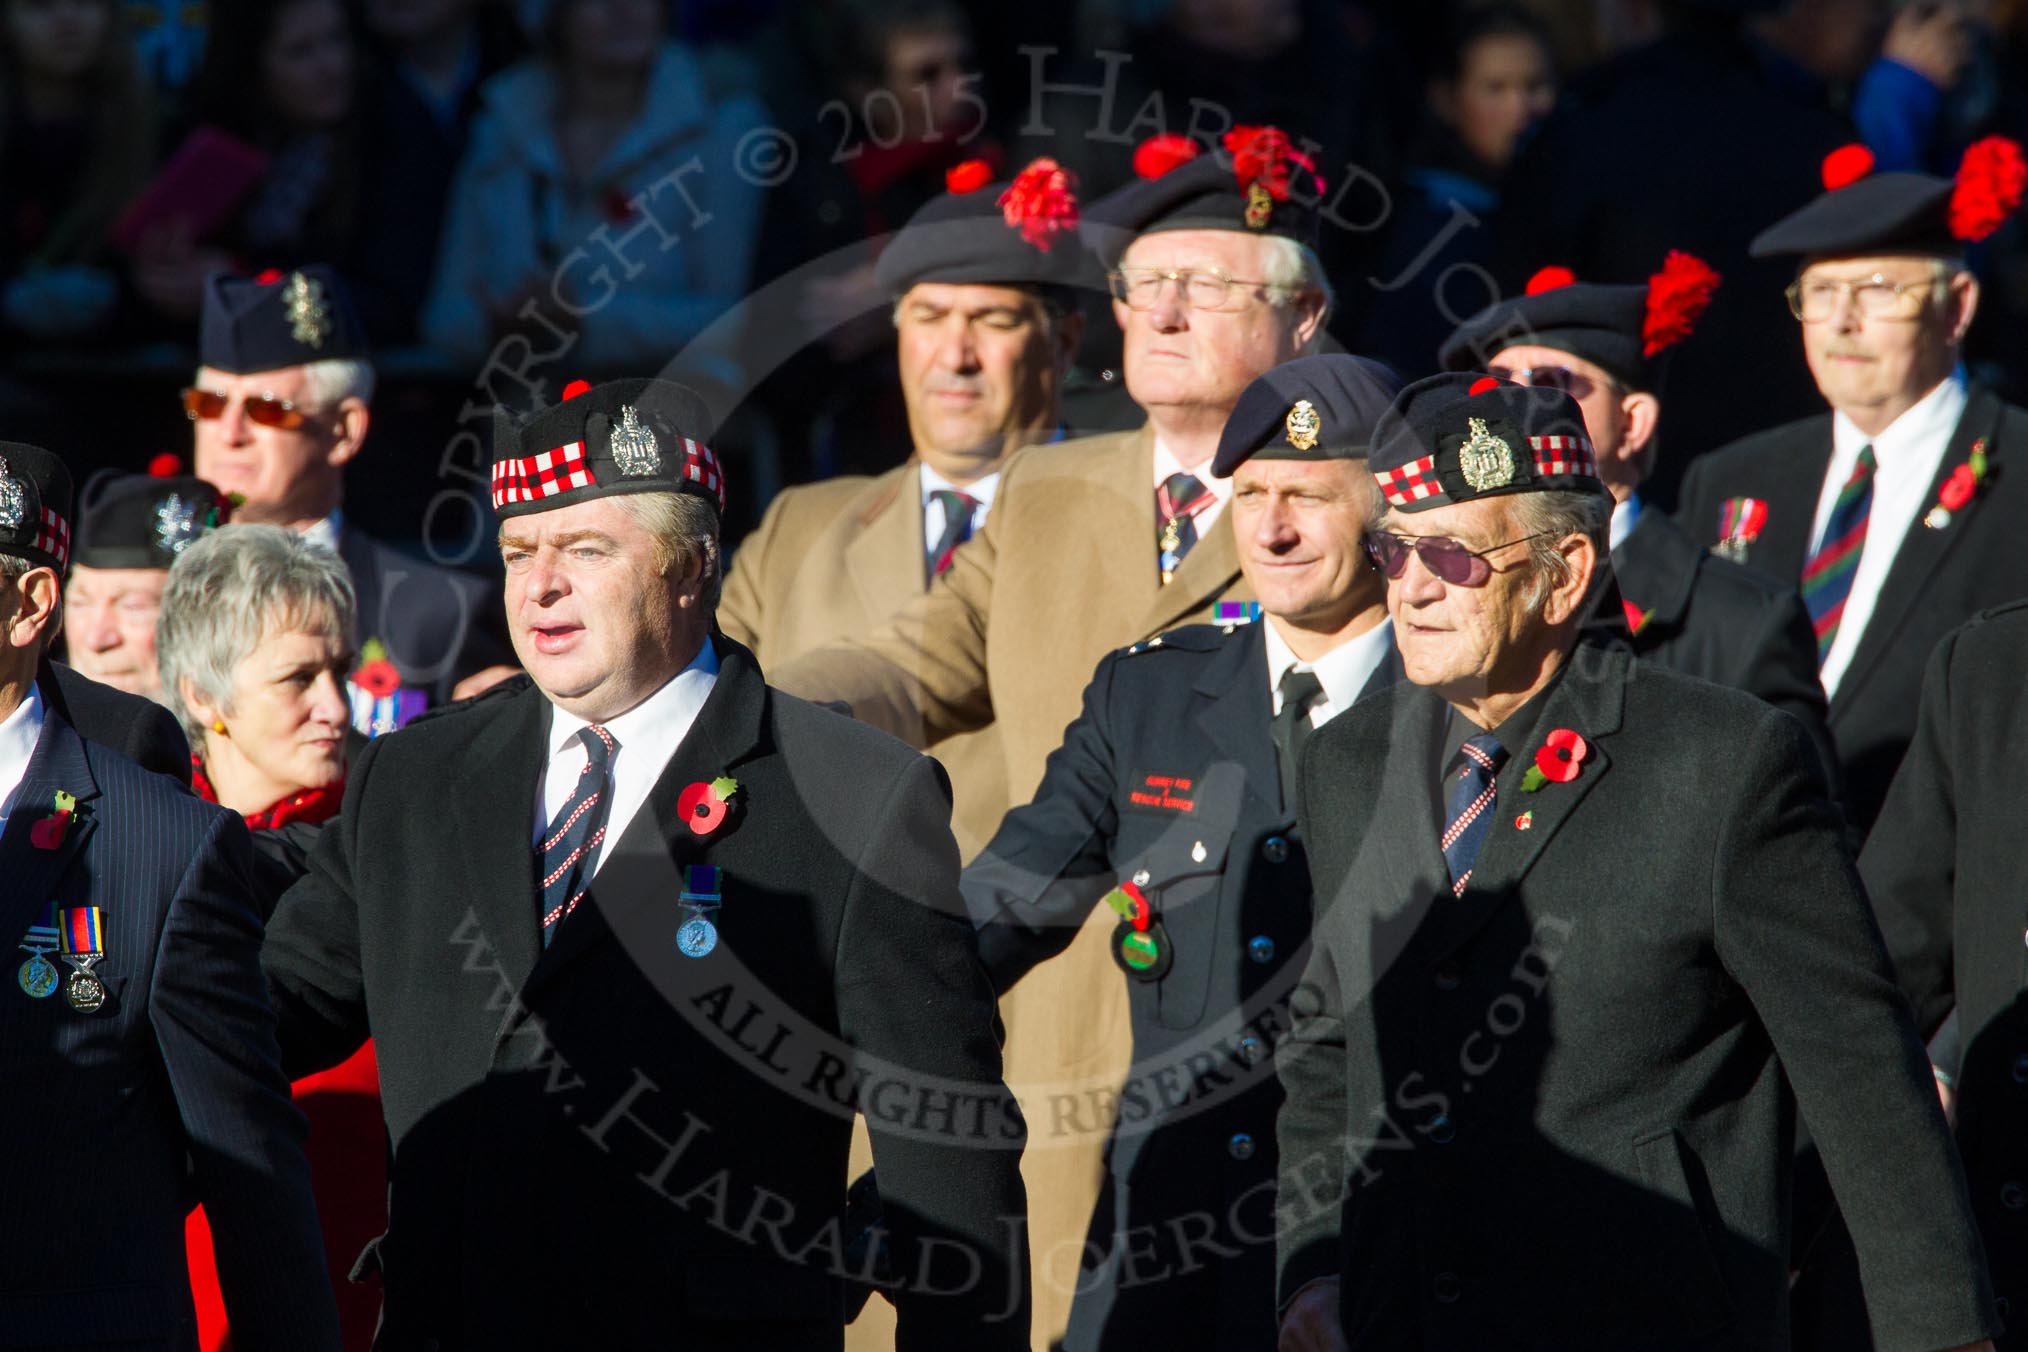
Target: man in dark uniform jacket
1944, 869
1168, 790
137, 1049
1893, 513
143, 731
281, 405
620, 1105
1604, 346
1587, 937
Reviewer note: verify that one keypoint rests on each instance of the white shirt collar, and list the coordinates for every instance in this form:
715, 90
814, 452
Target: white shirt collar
980, 491
1343, 671
325, 532
1625, 516
1907, 455
1167, 464
648, 735
19, 733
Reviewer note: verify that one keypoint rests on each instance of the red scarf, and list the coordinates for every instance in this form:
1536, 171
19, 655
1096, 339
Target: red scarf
311, 805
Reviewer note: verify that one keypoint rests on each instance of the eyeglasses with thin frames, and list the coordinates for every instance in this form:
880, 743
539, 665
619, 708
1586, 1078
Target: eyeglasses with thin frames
1141, 288
1448, 559
1815, 300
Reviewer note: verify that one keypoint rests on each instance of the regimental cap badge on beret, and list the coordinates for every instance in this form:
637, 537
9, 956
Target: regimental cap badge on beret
145, 520
308, 309
1302, 425
625, 436
1486, 460
1458, 436
175, 523
634, 448
13, 499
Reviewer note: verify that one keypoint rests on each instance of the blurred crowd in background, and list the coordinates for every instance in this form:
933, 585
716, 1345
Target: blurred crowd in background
465, 162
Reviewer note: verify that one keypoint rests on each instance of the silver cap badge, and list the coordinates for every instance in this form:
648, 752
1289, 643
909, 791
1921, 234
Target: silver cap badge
634, 448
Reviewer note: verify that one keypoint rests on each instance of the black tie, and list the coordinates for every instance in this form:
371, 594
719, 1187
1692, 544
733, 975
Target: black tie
1300, 691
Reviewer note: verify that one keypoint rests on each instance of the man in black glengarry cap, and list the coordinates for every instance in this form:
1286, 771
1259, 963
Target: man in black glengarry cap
1588, 937
280, 406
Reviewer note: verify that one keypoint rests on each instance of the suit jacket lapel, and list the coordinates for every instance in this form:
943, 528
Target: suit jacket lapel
1922, 549
1790, 483
1236, 717
1591, 701
885, 557
498, 838
1656, 566
727, 731
58, 764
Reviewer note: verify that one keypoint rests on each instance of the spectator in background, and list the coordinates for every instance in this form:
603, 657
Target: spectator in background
429, 58
281, 77
569, 195
74, 146
1496, 79
900, 107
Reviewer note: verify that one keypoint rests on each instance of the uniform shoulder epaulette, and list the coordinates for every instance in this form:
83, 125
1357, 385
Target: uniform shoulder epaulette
1198, 637
513, 685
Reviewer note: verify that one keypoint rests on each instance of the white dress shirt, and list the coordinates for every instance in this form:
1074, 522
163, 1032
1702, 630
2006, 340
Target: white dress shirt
1906, 456
980, 492
1167, 464
325, 533
1626, 516
18, 735
1343, 672
648, 734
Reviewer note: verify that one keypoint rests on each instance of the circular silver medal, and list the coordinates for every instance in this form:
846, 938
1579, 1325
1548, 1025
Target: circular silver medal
38, 977
697, 937
85, 992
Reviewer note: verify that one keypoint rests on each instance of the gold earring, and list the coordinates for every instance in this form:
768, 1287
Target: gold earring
218, 726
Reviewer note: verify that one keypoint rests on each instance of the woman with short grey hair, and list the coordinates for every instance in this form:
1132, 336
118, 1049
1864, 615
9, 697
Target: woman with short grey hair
254, 644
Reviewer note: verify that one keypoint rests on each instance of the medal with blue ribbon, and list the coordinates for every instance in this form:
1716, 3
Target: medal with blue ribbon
697, 936
83, 944
38, 975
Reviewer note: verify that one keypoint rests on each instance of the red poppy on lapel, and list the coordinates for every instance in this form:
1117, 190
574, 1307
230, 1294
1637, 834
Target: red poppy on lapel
1637, 619
703, 806
1559, 761
1964, 484
48, 833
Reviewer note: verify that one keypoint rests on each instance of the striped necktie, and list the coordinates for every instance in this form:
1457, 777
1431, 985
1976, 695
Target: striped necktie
1469, 810
958, 509
1827, 575
570, 843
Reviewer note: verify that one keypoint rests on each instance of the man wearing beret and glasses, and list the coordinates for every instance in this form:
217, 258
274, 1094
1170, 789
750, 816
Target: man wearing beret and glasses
1588, 939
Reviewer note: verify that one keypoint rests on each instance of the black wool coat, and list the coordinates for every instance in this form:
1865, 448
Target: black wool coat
1940, 578
1558, 1111
1945, 867
607, 1142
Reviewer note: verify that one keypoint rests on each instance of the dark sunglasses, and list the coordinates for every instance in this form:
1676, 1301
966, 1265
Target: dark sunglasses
264, 409
1559, 378
1443, 556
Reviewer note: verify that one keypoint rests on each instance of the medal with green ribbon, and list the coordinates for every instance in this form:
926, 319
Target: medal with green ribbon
1140, 945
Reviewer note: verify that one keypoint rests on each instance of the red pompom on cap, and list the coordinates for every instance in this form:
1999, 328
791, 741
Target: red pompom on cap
165, 466
1551, 279
1266, 156
1678, 296
1482, 384
1157, 155
575, 388
1041, 202
1990, 181
1846, 165
267, 276
970, 176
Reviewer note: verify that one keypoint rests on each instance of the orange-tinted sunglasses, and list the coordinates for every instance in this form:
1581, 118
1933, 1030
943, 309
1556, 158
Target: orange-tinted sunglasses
264, 409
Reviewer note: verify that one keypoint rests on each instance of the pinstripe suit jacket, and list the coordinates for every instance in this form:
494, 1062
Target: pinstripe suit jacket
100, 1112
